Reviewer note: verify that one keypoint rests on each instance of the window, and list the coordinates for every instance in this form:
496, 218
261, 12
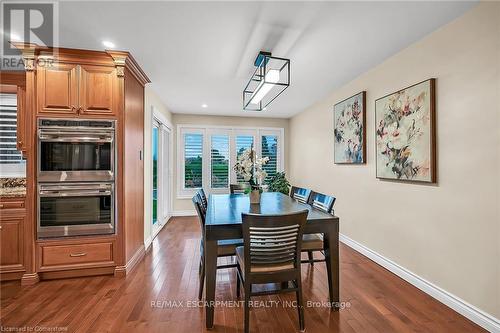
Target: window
193, 160
11, 161
207, 154
219, 157
243, 142
270, 149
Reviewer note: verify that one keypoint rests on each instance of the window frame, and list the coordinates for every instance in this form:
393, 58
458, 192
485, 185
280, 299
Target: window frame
232, 131
279, 149
182, 191
211, 132
14, 167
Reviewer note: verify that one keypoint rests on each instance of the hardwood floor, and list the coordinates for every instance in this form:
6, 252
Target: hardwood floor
376, 300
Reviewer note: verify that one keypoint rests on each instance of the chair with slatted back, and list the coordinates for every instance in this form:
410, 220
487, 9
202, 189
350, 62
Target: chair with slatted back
271, 254
314, 242
238, 188
203, 197
300, 194
225, 248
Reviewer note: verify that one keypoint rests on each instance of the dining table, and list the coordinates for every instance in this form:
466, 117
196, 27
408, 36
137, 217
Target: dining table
223, 221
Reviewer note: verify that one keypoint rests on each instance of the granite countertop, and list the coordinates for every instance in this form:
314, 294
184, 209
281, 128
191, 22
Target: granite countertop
12, 187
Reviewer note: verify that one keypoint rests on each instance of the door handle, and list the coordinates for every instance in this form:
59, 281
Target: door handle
77, 254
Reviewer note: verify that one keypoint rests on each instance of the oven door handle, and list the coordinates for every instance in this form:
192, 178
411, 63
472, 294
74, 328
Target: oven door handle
59, 138
79, 193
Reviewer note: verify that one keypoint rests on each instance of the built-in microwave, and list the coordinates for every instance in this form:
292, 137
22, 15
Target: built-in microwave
76, 150
75, 209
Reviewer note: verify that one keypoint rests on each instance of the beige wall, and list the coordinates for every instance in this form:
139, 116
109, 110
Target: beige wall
184, 205
151, 100
449, 233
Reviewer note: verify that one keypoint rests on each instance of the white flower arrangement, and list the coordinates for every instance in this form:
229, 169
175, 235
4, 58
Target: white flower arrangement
249, 166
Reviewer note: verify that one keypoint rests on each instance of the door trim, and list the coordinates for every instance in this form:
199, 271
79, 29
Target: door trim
165, 124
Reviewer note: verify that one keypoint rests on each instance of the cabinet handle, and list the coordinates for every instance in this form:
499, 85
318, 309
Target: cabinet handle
73, 109
78, 254
80, 109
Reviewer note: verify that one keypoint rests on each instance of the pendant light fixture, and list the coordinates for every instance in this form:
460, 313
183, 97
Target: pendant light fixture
270, 78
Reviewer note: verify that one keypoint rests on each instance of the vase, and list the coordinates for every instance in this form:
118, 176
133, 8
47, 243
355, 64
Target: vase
255, 197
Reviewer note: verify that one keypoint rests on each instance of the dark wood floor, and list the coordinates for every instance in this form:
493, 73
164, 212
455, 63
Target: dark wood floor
377, 300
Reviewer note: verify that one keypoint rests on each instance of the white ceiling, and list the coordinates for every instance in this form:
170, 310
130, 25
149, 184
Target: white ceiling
203, 52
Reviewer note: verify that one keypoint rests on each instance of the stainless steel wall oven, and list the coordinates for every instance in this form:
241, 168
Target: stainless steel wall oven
76, 172
76, 150
73, 209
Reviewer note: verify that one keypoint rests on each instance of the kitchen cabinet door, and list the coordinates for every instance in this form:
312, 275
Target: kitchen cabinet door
57, 89
98, 90
11, 243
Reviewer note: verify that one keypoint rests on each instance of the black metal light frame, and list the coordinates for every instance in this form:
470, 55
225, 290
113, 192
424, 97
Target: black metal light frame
259, 75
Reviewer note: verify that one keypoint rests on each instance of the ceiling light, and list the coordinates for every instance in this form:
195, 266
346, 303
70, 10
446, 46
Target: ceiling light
270, 78
204, 106
108, 44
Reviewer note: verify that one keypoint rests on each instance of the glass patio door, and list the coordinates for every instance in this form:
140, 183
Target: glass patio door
155, 174
161, 174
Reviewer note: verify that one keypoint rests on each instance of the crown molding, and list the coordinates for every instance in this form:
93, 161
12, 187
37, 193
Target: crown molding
124, 59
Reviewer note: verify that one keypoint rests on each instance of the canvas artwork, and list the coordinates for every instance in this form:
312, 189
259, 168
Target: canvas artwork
405, 134
349, 130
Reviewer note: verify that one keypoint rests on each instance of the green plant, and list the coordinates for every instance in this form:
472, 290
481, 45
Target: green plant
279, 183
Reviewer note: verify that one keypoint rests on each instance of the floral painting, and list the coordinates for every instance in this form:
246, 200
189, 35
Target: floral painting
349, 130
405, 134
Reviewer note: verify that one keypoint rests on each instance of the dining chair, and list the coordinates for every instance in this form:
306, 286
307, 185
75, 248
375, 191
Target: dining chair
203, 197
314, 242
225, 248
238, 188
271, 254
300, 194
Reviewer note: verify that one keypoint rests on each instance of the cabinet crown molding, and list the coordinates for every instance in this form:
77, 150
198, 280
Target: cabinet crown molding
28, 51
124, 59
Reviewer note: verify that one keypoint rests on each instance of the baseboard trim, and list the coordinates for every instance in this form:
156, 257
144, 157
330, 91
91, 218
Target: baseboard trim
467, 310
147, 243
29, 279
184, 213
121, 271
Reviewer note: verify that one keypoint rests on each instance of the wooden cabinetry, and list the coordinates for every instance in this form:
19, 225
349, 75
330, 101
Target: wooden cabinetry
75, 254
98, 86
21, 119
57, 89
87, 84
11, 243
84, 84
72, 90
12, 238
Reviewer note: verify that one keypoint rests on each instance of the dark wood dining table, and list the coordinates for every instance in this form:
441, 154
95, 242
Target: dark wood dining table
223, 221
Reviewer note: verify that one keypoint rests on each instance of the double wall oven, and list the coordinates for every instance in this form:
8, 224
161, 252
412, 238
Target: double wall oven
76, 177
